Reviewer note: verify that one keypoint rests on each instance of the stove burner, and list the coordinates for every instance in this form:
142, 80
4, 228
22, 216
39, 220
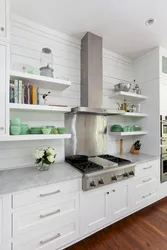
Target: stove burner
84, 166
114, 159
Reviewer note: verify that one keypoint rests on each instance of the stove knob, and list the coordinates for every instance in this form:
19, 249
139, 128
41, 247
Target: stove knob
114, 178
125, 175
93, 184
101, 181
131, 173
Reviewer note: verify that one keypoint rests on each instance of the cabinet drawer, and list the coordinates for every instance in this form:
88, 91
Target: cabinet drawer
45, 193
51, 241
146, 194
144, 181
146, 169
45, 226
38, 214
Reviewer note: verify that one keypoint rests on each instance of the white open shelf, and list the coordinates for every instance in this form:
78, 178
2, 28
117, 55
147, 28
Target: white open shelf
129, 133
41, 81
135, 114
131, 97
34, 137
28, 107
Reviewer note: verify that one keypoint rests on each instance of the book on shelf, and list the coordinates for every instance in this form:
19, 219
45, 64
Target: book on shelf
23, 93
16, 91
11, 92
20, 91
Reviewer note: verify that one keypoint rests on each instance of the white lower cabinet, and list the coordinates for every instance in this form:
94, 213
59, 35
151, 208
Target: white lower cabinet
5, 223
56, 216
94, 206
103, 206
145, 184
48, 219
119, 202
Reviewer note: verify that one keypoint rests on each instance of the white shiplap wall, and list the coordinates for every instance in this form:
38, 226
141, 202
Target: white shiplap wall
27, 40
115, 69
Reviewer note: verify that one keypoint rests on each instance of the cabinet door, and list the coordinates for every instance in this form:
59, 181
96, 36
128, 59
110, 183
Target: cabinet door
163, 96
94, 210
5, 223
3, 82
119, 201
2, 17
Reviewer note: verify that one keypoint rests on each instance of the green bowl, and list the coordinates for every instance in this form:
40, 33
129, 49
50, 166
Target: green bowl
62, 130
15, 130
24, 129
15, 121
116, 128
46, 131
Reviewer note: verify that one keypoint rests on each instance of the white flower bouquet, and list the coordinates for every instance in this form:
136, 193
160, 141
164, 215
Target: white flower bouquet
44, 158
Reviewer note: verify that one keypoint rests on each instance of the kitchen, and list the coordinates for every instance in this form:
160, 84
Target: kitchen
54, 209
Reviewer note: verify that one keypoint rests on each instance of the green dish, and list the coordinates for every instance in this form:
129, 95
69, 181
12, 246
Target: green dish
46, 131
62, 130
15, 130
116, 128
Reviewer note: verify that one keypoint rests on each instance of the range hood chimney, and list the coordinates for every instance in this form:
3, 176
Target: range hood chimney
91, 71
92, 77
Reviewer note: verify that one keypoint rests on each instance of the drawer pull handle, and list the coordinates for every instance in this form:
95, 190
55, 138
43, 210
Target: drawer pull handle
145, 196
147, 180
43, 242
55, 192
49, 214
147, 167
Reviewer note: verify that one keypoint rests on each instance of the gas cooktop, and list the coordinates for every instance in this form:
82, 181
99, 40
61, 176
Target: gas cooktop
101, 170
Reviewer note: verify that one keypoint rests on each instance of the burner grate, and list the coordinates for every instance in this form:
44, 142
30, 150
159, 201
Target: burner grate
114, 159
85, 166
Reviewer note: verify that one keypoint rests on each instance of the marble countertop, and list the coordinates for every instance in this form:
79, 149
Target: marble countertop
21, 179
137, 158
24, 178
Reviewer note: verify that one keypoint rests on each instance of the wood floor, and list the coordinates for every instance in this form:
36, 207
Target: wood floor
146, 229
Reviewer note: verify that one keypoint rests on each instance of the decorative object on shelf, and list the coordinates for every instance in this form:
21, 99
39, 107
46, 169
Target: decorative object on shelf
135, 149
116, 128
24, 129
126, 106
15, 129
44, 158
46, 63
43, 98
122, 86
36, 130
46, 131
121, 147
62, 130
15, 126
136, 89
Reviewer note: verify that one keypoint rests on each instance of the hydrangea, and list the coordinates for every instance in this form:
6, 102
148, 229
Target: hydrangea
39, 154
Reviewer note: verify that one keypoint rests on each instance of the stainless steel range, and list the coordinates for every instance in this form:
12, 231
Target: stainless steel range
101, 170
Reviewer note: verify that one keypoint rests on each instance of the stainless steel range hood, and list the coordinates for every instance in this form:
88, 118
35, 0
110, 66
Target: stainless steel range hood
97, 111
92, 77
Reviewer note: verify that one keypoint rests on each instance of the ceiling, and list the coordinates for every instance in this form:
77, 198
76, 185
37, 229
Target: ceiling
121, 23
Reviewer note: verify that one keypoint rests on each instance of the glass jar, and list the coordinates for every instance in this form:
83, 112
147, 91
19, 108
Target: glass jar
46, 62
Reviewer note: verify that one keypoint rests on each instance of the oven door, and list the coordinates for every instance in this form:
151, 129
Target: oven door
164, 129
164, 168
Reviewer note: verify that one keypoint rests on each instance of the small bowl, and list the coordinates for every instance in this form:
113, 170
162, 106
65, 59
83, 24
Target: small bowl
15, 121
24, 129
46, 131
62, 130
15, 130
122, 86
